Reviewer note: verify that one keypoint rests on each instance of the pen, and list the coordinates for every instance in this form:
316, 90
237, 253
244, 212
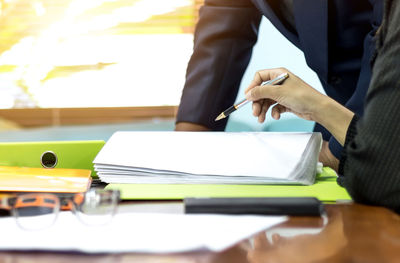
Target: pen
243, 102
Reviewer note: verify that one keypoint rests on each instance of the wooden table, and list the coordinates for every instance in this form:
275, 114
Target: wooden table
349, 233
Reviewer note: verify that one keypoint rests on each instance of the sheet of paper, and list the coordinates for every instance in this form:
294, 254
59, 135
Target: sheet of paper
253, 154
137, 232
171, 179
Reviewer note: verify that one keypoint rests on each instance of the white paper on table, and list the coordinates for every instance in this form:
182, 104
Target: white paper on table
137, 232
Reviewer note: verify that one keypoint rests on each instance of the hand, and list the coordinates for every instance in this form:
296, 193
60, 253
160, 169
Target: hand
296, 96
327, 158
293, 95
188, 126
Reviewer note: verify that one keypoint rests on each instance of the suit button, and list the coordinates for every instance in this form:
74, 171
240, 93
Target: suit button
335, 80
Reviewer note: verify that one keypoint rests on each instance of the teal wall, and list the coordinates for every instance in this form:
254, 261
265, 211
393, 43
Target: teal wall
271, 51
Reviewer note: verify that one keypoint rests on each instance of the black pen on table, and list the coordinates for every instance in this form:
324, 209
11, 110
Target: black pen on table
243, 102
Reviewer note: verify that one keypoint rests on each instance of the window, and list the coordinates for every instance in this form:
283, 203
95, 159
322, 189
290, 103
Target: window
74, 53
94, 53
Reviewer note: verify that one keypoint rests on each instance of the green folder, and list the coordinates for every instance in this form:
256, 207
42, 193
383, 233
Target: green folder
70, 154
325, 189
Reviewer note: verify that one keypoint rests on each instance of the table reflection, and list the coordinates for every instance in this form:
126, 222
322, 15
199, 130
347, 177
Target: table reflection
351, 234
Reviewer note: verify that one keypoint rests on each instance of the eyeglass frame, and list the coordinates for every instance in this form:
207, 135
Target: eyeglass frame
63, 201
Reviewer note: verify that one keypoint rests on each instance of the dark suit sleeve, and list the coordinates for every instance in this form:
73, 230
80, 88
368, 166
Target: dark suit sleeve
356, 102
371, 169
224, 37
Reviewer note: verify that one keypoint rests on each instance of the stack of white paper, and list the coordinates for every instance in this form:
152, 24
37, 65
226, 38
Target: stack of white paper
209, 157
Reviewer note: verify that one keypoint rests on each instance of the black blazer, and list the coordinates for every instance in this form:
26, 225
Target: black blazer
336, 37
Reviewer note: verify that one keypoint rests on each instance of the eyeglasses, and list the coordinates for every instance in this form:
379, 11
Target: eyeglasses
37, 211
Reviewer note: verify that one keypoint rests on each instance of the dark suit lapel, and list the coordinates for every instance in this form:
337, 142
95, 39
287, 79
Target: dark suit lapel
311, 18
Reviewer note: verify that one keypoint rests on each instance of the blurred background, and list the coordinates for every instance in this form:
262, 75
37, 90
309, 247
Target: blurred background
82, 69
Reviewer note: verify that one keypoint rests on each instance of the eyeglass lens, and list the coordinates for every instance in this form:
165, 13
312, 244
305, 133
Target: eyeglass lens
38, 211
97, 207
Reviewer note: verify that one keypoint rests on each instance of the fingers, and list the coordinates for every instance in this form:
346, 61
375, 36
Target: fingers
264, 109
257, 105
261, 241
264, 75
266, 104
277, 110
257, 80
260, 109
262, 92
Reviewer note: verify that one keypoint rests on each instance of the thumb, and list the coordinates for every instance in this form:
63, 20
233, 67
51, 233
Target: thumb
261, 92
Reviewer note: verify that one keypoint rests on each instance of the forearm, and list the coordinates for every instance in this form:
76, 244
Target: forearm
334, 117
224, 37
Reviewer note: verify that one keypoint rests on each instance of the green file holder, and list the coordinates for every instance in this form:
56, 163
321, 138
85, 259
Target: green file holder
70, 154
325, 189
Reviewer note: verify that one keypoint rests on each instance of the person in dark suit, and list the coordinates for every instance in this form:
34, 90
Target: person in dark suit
336, 37
370, 161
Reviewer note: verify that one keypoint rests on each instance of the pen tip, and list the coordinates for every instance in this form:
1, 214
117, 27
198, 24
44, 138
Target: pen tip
220, 117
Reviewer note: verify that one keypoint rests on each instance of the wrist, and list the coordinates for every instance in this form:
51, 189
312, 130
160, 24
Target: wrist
334, 117
189, 126
322, 105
